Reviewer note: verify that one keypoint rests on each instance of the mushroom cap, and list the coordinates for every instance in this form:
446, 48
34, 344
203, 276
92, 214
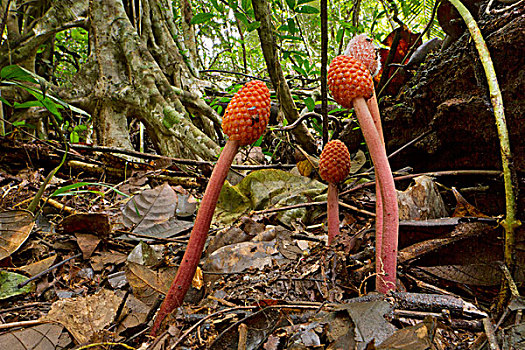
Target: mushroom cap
348, 78
334, 164
247, 113
362, 48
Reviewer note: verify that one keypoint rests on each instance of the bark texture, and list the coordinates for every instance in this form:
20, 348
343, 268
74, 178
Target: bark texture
449, 94
269, 47
134, 70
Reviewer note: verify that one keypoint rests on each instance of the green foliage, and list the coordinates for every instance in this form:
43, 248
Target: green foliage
74, 189
224, 26
71, 51
20, 77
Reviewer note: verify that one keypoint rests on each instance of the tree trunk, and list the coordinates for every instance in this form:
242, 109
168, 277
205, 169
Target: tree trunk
129, 73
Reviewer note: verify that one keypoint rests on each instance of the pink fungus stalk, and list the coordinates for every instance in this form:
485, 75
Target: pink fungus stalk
350, 83
244, 122
334, 166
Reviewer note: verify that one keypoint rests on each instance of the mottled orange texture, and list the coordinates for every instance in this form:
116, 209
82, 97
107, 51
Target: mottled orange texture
247, 113
348, 78
334, 164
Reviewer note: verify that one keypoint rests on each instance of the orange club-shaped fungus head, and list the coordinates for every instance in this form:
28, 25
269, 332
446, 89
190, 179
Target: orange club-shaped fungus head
334, 164
348, 79
247, 113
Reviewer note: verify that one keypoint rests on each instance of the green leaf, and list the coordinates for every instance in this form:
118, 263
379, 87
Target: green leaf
233, 4
339, 35
15, 72
67, 190
252, 26
291, 26
3, 100
28, 104
9, 282
310, 104
283, 28
246, 5
291, 4
201, 18
300, 71
307, 9
52, 108
300, 2
48, 103
73, 137
80, 127
242, 17
217, 6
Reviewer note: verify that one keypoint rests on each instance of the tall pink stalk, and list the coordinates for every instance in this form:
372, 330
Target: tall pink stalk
362, 48
244, 121
350, 83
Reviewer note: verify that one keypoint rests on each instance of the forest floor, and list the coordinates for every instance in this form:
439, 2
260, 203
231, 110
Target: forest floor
94, 262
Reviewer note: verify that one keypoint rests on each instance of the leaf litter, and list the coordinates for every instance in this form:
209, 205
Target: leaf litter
267, 279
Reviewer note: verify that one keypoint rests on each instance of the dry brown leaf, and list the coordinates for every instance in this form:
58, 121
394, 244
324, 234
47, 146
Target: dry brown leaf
150, 208
101, 259
38, 266
87, 243
84, 316
153, 212
421, 201
41, 337
464, 208
95, 223
147, 283
15, 227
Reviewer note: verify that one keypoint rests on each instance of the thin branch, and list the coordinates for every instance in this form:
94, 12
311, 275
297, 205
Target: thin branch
175, 160
324, 63
268, 44
234, 73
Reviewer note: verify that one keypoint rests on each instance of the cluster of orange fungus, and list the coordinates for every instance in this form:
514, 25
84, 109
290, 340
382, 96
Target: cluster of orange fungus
334, 164
348, 78
247, 113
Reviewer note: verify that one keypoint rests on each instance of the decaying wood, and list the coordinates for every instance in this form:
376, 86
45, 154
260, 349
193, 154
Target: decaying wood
449, 93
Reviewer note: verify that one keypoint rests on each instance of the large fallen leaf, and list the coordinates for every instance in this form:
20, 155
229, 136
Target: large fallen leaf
148, 284
270, 188
370, 323
38, 266
9, 282
418, 337
242, 256
95, 223
138, 311
421, 201
473, 274
15, 227
85, 316
40, 337
152, 213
